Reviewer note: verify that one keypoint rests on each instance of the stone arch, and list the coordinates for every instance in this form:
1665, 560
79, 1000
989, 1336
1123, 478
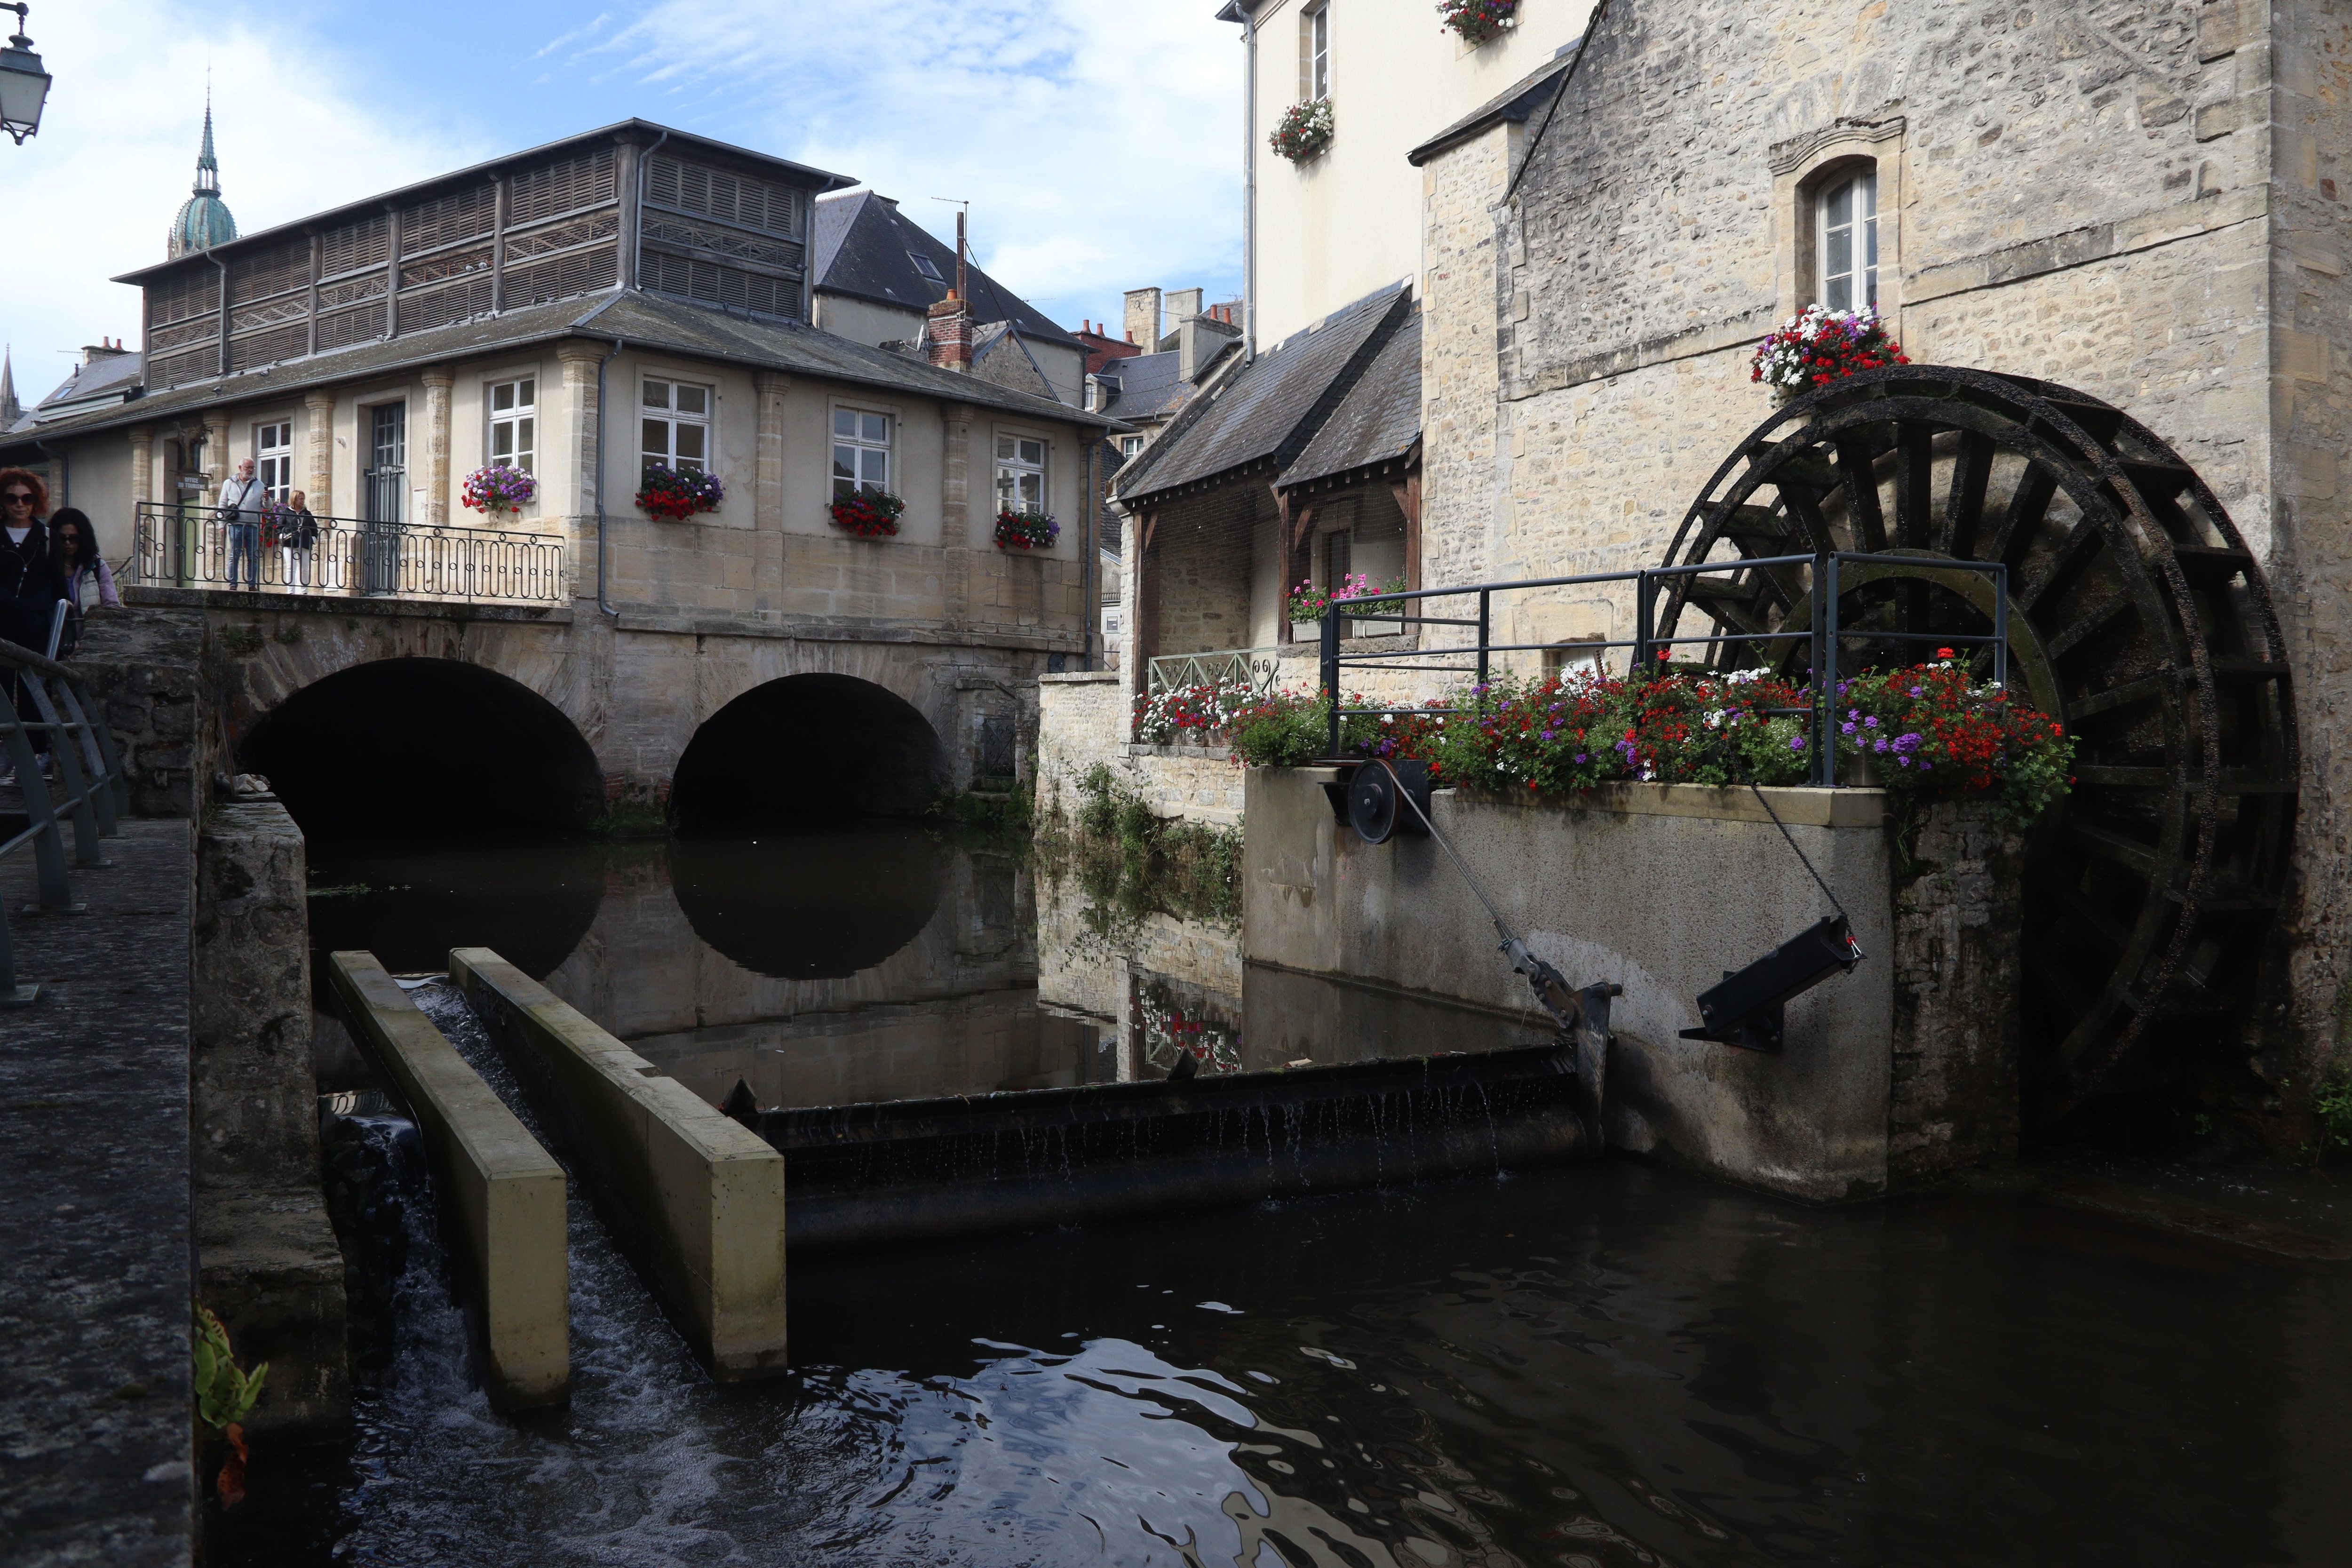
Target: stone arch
810, 744
416, 741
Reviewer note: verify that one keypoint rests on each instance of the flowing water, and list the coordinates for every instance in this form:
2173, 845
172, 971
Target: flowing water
1607, 1364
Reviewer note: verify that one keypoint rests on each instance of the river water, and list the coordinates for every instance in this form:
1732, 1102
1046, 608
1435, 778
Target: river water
1606, 1363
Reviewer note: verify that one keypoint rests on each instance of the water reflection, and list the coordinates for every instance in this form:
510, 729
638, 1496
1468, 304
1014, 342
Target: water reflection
532, 899
819, 903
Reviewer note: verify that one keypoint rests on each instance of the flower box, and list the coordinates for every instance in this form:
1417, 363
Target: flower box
677, 494
1304, 131
867, 513
1821, 346
1027, 531
1479, 21
500, 491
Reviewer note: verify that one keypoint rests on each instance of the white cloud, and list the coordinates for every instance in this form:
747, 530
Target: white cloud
1099, 143
94, 192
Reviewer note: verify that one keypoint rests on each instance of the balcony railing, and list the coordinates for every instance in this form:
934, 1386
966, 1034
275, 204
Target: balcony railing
187, 545
1258, 667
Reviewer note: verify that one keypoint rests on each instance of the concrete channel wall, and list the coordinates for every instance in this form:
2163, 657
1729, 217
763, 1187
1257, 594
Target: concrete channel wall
506, 1190
696, 1198
1661, 888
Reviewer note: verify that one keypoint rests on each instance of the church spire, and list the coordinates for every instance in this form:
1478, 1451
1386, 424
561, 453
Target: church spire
10, 410
203, 219
207, 165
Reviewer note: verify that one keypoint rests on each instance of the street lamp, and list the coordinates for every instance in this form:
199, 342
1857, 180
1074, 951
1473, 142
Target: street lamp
24, 85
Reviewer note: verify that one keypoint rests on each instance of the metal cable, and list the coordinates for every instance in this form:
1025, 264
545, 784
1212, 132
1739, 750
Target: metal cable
1800, 854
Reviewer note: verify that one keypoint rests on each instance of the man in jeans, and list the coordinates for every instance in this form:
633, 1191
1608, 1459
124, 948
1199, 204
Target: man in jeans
242, 496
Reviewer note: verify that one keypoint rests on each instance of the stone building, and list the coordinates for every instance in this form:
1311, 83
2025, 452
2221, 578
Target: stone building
373, 354
2139, 203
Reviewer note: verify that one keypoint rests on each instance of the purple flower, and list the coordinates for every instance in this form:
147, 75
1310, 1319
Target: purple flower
1796, 742
1907, 743
1845, 729
1918, 691
1901, 761
1924, 765
1871, 722
1580, 757
1881, 745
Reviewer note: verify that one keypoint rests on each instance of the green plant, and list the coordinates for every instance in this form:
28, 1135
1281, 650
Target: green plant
224, 1397
243, 640
1099, 795
2332, 1105
631, 818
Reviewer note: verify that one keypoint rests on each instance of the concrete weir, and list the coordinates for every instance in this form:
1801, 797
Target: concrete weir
508, 1191
696, 1198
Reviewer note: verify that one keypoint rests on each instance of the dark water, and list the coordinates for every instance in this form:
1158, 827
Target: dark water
1610, 1363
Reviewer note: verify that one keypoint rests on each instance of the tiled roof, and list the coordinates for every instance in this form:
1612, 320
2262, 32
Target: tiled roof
1377, 422
642, 320
1147, 385
866, 248
1269, 411
1517, 102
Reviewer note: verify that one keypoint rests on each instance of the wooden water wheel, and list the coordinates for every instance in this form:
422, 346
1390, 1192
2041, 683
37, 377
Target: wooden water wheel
2138, 615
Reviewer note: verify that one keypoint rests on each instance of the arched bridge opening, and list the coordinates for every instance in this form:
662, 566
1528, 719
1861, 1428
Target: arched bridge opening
424, 746
806, 747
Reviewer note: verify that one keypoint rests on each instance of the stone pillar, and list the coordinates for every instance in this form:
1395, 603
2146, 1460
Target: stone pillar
768, 500
319, 452
955, 512
577, 499
143, 465
216, 463
437, 380
56, 481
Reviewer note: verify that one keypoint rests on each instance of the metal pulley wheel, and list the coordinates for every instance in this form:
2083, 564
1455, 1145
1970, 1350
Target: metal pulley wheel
2138, 615
1377, 808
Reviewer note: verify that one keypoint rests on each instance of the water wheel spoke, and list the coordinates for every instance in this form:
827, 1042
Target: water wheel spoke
2085, 626
2210, 566
1915, 484
1964, 502
1858, 474
2158, 480
2067, 565
2126, 852
2029, 505
2112, 934
2130, 694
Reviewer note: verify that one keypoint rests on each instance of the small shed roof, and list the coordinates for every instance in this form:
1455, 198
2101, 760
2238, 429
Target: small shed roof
1378, 422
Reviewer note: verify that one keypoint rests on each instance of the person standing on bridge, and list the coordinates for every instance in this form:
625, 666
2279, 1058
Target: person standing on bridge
298, 541
29, 587
242, 498
74, 557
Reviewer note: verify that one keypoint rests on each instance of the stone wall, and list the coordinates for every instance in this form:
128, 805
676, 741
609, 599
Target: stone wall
146, 666
267, 1255
1083, 720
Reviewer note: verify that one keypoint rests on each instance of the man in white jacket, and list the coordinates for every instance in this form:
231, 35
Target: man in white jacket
242, 496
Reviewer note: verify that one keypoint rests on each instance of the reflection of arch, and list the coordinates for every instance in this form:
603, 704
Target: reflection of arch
810, 906
808, 746
403, 743
531, 900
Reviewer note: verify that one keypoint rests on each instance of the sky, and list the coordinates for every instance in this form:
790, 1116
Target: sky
1099, 142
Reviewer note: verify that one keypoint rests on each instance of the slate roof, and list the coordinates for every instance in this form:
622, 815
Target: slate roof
642, 320
1148, 384
866, 248
1378, 421
1516, 103
1269, 411
111, 375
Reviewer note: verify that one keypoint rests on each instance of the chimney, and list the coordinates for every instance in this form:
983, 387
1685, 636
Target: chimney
950, 332
1184, 305
105, 348
1143, 319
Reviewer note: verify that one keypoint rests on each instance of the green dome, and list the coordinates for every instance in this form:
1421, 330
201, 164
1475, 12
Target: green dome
204, 221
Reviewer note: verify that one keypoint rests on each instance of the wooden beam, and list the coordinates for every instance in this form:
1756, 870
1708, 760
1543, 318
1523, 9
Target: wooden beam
1408, 499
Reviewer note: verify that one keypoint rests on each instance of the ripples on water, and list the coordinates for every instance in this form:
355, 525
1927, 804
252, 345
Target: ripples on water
1610, 1364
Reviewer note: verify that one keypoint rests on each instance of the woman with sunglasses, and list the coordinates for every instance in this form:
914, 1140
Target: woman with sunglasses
28, 585
74, 557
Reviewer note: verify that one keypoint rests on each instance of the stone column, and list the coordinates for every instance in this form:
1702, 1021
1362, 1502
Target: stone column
319, 452
216, 463
142, 464
576, 498
768, 502
955, 512
437, 382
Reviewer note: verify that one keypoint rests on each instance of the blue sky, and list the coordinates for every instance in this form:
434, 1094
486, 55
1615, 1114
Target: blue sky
1099, 143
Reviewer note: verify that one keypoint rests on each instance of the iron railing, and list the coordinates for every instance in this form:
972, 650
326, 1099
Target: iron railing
1645, 647
90, 788
190, 545
1258, 666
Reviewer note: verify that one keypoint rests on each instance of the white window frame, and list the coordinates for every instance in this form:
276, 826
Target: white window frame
888, 447
1315, 52
1129, 447
273, 462
673, 418
1857, 285
520, 419
1000, 466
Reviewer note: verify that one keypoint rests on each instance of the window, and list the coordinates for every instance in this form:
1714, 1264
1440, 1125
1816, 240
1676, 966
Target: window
1020, 474
861, 451
1847, 243
1314, 42
387, 469
1129, 446
675, 416
1579, 656
924, 265
273, 458
514, 424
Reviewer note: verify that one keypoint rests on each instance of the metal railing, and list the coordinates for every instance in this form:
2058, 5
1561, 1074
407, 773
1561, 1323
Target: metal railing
1258, 667
1822, 636
90, 788
190, 545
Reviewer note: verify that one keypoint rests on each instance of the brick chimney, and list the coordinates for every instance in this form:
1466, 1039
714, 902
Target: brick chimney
105, 348
1143, 319
1184, 305
950, 332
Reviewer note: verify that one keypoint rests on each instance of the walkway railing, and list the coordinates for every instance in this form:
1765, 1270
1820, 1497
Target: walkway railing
187, 545
1173, 672
1822, 636
91, 789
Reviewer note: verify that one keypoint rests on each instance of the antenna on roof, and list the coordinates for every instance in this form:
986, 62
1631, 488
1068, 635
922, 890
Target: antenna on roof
962, 207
